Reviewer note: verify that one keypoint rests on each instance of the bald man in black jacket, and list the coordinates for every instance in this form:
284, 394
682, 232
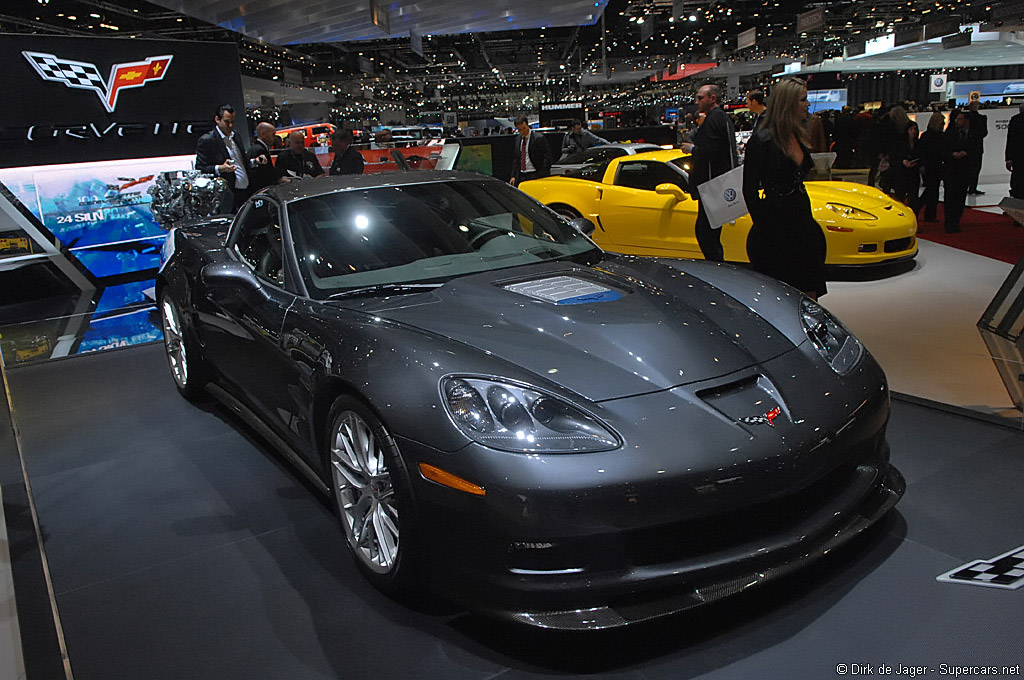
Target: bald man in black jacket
714, 154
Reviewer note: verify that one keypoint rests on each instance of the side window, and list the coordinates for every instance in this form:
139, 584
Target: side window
593, 173
596, 155
647, 175
257, 240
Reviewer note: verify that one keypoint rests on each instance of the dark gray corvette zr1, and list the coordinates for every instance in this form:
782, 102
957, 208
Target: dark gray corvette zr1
533, 427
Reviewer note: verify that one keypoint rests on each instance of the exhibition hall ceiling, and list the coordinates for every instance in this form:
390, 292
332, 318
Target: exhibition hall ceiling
430, 50
292, 22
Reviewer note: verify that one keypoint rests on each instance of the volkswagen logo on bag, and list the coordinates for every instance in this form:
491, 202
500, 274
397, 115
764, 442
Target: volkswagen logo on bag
730, 194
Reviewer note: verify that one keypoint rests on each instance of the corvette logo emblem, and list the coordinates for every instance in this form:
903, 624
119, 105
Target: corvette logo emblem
83, 76
767, 419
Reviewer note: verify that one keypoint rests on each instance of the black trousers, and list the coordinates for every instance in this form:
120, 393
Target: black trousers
975, 173
709, 240
1017, 181
954, 200
930, 195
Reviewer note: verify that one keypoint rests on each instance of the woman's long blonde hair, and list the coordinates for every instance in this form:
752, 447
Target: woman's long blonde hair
781, 118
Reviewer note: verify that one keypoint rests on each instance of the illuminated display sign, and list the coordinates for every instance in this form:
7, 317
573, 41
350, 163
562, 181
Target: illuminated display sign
72, 100
88, 123
824, 100
995, 91
79, 75
100, 211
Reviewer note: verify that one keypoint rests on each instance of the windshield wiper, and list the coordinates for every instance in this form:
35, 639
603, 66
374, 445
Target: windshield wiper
396, 288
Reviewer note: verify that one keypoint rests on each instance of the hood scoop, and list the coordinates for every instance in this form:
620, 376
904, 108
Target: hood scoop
565, 290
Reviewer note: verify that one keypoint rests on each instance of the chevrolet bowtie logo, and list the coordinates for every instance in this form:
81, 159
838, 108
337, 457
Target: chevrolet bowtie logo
84, 76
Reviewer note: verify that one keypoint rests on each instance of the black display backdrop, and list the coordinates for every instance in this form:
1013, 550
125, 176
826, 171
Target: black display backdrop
69, 99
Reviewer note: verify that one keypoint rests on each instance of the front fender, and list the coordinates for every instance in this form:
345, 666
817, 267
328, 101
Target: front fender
397, 371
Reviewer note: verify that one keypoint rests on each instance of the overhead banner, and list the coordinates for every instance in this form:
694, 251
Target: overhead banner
683, 71
70, 99
938, 83
647, 28
956, 40
810, 20
747, 38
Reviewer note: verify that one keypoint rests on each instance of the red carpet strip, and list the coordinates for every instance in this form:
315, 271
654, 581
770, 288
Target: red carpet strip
990, 234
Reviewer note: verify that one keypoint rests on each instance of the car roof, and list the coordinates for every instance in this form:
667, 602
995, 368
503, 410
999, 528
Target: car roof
663, 155
626, 145
290, 128
295, 190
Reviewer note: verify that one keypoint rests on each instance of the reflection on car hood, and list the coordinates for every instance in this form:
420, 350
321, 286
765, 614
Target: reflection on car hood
850, 193
624, 329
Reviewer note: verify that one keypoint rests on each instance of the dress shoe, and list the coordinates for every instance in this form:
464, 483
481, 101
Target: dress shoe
952, 230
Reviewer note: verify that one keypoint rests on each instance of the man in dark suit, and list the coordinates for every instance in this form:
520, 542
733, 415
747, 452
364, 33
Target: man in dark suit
756, 105
347, 161
219, 153
297, 161
532, 157
958, 169
714, 153
261, 158
978, 132
1015, 153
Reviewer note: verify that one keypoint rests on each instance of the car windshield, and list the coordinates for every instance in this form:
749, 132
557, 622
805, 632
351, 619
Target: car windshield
424, 233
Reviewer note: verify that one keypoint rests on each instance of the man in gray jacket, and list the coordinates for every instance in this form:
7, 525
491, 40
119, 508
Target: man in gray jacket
578, 139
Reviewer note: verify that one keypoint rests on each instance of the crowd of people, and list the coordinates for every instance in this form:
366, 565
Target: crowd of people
246, 170
905, 162
785, 241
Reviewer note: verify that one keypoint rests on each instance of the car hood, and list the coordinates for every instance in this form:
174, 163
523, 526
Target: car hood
850, 193
623, 329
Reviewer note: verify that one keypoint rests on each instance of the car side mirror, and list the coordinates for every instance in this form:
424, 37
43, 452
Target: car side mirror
669, 189
583, 225
228, 282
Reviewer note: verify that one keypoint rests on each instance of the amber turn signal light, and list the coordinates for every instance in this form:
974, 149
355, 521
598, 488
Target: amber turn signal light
436, 474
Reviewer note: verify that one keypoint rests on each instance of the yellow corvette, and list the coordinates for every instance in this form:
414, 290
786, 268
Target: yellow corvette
642, 206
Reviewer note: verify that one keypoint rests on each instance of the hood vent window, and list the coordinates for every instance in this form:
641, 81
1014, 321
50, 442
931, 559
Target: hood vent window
565, 290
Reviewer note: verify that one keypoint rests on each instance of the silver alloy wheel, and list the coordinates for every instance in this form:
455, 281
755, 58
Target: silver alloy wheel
174, 342
364, 492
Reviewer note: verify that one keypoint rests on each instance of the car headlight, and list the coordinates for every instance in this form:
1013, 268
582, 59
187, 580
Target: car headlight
849, 212
834, 343
511, 417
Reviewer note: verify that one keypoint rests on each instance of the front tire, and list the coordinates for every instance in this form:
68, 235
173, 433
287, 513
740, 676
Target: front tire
183, 355
371, 492
566, 211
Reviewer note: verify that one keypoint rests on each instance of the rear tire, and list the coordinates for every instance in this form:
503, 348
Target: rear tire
188, 368
371, 492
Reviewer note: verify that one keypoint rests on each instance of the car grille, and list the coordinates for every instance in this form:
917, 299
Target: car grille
898, 244
684, 540
691, 539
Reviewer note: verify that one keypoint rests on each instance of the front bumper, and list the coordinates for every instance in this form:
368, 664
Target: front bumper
694, 507
713, 587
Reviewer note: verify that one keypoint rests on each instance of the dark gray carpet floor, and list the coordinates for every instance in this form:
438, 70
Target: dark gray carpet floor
180, 546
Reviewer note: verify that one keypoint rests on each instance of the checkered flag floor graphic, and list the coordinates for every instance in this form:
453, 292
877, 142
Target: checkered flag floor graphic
72, 73
1005, 571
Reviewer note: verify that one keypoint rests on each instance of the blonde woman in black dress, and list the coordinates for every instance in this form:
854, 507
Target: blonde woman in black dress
785, 241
